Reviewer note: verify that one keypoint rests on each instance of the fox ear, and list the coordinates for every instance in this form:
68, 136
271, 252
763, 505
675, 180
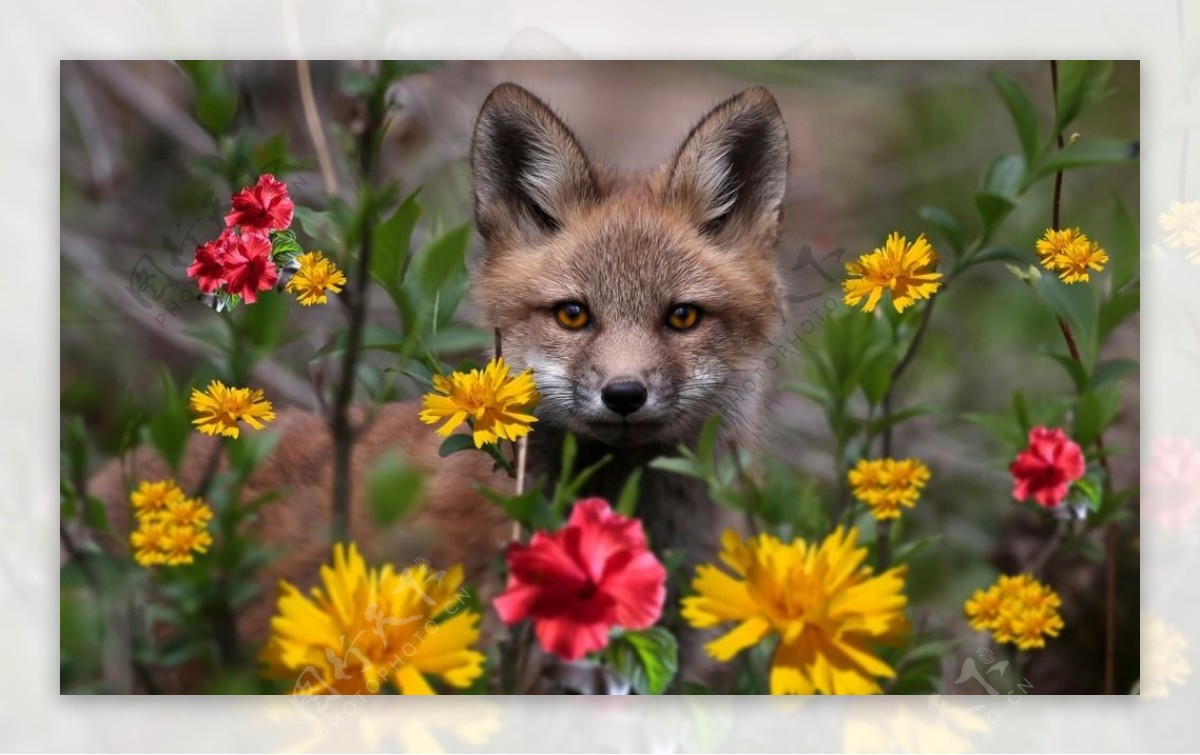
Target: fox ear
730, 174
530, 172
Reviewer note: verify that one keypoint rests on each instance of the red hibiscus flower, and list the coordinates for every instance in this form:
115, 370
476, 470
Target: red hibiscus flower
265, 206
248, 266
208, 267
575, 584
1047, 468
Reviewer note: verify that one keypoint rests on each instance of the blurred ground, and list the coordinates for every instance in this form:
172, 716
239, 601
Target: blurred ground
871, 143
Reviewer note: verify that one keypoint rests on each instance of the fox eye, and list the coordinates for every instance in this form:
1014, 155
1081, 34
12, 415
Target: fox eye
683, 316
572, 315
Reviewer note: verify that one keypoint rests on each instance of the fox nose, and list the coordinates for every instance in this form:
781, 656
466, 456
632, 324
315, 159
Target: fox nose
624, 397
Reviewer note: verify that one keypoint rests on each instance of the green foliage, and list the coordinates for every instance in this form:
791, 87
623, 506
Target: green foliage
393, 488
216, 95
648, 659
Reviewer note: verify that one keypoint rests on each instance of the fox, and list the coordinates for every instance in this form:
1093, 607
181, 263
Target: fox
645, 303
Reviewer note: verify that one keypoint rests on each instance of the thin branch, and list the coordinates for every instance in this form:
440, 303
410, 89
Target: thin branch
312, 117
343, 431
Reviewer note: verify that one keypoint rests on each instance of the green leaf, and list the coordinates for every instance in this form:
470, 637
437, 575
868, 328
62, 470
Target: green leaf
1117, 309
529, 509
442, 259
1021, 411
216, 95
688, 467
1126, 249
96, 516
458, 339
706, 448
627, 500
284, 245
455, 443
393, 238
393, 488
1094, 412
170, 425
1022, 111
1087, 153
1074, 370
1081, 84
1077, 305
1114, 370
648, 659
1001, 188
946, 224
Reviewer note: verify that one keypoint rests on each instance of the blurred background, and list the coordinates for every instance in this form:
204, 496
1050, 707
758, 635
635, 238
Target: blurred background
872, 143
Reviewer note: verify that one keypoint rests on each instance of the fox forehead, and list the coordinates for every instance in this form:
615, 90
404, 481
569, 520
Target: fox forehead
630, 255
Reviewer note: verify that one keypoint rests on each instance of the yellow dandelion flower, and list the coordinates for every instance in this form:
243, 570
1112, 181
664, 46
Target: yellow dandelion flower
906, 270
365, 627
1053, 243
983, 609
183, 542
1071, 254
887, 485
317, 274
187, 512
1074, 262
150, 542
826, 607
496, 404
152, 498
220, 408
1031, 626
1181, 223
1017, 609
1164, 657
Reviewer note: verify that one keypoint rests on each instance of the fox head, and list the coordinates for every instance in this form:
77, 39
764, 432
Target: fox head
644, 304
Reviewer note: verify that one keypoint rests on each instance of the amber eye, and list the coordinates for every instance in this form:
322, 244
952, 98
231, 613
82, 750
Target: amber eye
572, 315
683, 316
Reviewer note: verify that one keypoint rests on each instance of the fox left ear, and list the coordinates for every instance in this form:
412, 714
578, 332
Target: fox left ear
730, 174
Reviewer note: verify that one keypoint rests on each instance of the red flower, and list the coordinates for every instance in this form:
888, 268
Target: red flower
1047, 468
208, 267
248, 266
593, 574
265, 206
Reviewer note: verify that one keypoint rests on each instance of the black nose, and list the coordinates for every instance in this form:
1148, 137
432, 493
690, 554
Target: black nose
625, 397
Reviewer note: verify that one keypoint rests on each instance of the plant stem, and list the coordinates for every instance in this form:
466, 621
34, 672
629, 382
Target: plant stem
340, 424
1110, 604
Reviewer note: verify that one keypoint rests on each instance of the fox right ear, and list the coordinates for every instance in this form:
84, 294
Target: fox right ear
530, 172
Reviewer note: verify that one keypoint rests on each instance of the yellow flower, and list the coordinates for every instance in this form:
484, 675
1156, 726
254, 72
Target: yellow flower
170, 526
368, 626
1017, 609
1071, 254
1055, 242
1181, 223
317, 274
1164, 657
906, 270
886, 485
187, 512
182, 542
220, 408
155, 497
496, 404
150, 542
826, 607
